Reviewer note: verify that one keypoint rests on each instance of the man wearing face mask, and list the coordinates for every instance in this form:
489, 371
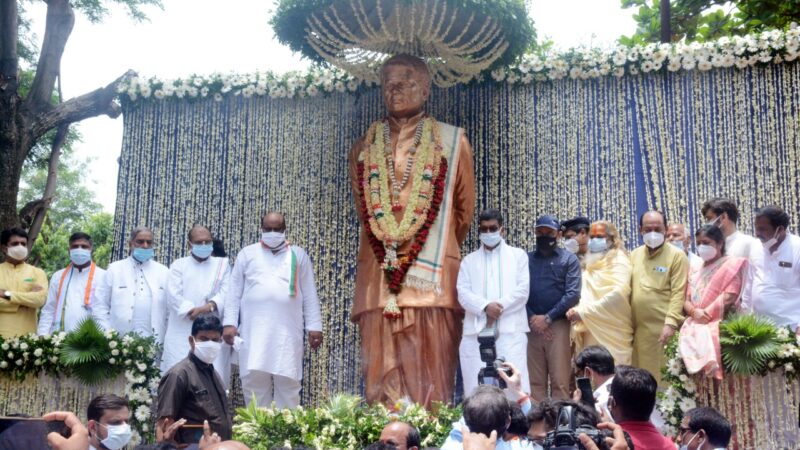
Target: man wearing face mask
493, 284
704, 429
108, 425
272, 287
555, 287
132, 295
192, 391
72, 290
723, 213
678, 236
576, 236
603, 315
197, 285
22, 286
658, 286
774, 286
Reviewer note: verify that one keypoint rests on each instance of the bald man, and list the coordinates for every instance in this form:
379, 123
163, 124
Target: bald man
658, 286
679, 236
272, 302
402, 435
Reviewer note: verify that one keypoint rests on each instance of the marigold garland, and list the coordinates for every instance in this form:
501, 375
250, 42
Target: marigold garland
395, 274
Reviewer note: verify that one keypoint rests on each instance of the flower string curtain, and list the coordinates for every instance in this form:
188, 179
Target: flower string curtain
607, 148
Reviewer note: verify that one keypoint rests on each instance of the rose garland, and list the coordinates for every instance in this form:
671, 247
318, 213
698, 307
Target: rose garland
421, 211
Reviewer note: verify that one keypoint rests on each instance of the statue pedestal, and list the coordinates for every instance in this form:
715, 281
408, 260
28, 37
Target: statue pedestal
763, 411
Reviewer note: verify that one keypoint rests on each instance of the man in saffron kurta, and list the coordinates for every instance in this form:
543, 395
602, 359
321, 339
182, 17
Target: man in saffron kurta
22, 286
415, 354
658, 287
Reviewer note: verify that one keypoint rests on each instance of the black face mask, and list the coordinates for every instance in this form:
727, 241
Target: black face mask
546, 243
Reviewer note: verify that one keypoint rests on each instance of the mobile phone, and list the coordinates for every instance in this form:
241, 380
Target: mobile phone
28, 433
585, 386
191, 433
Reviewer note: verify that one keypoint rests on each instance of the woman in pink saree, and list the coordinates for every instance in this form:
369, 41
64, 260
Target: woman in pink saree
712, 291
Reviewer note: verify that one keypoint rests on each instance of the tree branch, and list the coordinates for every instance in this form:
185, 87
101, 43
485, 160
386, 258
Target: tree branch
60, 21
95, 103
50, 185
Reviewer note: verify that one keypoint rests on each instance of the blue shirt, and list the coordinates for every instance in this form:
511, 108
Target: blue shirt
555, 283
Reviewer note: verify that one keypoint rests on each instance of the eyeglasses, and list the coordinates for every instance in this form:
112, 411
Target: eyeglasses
683, 430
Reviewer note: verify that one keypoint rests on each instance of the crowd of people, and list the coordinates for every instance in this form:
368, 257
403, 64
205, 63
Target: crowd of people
579, 303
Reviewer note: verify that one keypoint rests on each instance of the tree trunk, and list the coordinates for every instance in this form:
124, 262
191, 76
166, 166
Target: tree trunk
50, 185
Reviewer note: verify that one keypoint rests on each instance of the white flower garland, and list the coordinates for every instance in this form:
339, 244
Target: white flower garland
31, 354
768, 47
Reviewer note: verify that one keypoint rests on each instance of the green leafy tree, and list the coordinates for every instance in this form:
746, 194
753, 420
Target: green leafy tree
28, 112
73, 208
705, 20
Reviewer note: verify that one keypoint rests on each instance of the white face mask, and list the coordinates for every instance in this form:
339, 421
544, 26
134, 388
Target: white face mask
571, 245
653, 239
678, 245
273, 239
686, 446
767, 245
18, 252
490, 239
118, 436
207, 351
707, 252
598, 245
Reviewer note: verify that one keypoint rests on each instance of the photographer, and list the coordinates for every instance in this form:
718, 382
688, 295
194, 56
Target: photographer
487, 410
633, 397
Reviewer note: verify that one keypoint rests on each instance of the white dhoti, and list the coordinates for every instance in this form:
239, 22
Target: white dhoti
513, 347
268, 388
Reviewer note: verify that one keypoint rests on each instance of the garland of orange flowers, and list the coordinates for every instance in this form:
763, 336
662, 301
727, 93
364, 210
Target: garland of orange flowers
384, 233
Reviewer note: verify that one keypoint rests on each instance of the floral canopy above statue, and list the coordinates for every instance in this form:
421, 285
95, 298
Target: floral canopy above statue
458, 38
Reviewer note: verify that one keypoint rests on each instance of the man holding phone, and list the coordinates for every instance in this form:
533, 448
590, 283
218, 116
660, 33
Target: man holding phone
108, 425
192, 391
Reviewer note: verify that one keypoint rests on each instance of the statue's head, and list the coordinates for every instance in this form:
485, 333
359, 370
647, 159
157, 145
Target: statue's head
406, 84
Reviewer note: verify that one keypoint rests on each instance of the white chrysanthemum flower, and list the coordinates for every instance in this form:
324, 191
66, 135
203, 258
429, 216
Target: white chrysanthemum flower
674, 65
23, 346
5, 346
218, 97
37, 362
159, 94
498, 74
647, 67
687, 404
3, 365
38, 352
783, 334
19, 362
788, 367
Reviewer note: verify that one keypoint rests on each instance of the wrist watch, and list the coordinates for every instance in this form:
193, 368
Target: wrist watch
548, 319
7, 295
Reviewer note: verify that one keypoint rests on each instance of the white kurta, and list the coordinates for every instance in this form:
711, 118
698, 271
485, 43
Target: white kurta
191, 284
132, 297
270, 321
65, 312
502, 276
742, 245
775, 284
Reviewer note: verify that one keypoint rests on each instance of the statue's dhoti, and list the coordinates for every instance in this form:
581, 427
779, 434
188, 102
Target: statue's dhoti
415, 355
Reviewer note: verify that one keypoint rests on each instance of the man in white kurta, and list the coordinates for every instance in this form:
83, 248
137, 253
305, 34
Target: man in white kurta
197, 285
132, 297
72, 289
773, 289
272, 300
493, 284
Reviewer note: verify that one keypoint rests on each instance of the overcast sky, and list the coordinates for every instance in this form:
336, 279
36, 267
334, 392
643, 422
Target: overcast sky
202, 36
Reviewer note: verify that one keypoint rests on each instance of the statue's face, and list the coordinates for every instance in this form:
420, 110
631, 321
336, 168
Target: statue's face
405, 90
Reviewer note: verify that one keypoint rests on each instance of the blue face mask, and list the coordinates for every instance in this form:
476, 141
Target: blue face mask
143, 254
202, 251
80, 256
598, 245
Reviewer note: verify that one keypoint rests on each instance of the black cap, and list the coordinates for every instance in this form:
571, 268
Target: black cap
574, 222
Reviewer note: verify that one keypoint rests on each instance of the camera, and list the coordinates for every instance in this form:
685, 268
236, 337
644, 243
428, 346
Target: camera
487, 341
565, 436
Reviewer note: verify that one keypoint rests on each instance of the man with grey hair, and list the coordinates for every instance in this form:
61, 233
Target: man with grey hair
132, 294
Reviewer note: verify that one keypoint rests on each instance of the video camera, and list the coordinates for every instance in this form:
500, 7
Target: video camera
565, 436
487, 340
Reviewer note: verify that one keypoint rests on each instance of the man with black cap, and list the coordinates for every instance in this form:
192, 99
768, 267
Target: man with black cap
555, 287
576, 235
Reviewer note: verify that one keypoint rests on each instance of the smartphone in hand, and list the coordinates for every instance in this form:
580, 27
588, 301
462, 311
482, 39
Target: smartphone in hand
22, 433
585, 386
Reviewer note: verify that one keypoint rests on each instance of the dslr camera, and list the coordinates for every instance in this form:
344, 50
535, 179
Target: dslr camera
565, 436
487, 345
